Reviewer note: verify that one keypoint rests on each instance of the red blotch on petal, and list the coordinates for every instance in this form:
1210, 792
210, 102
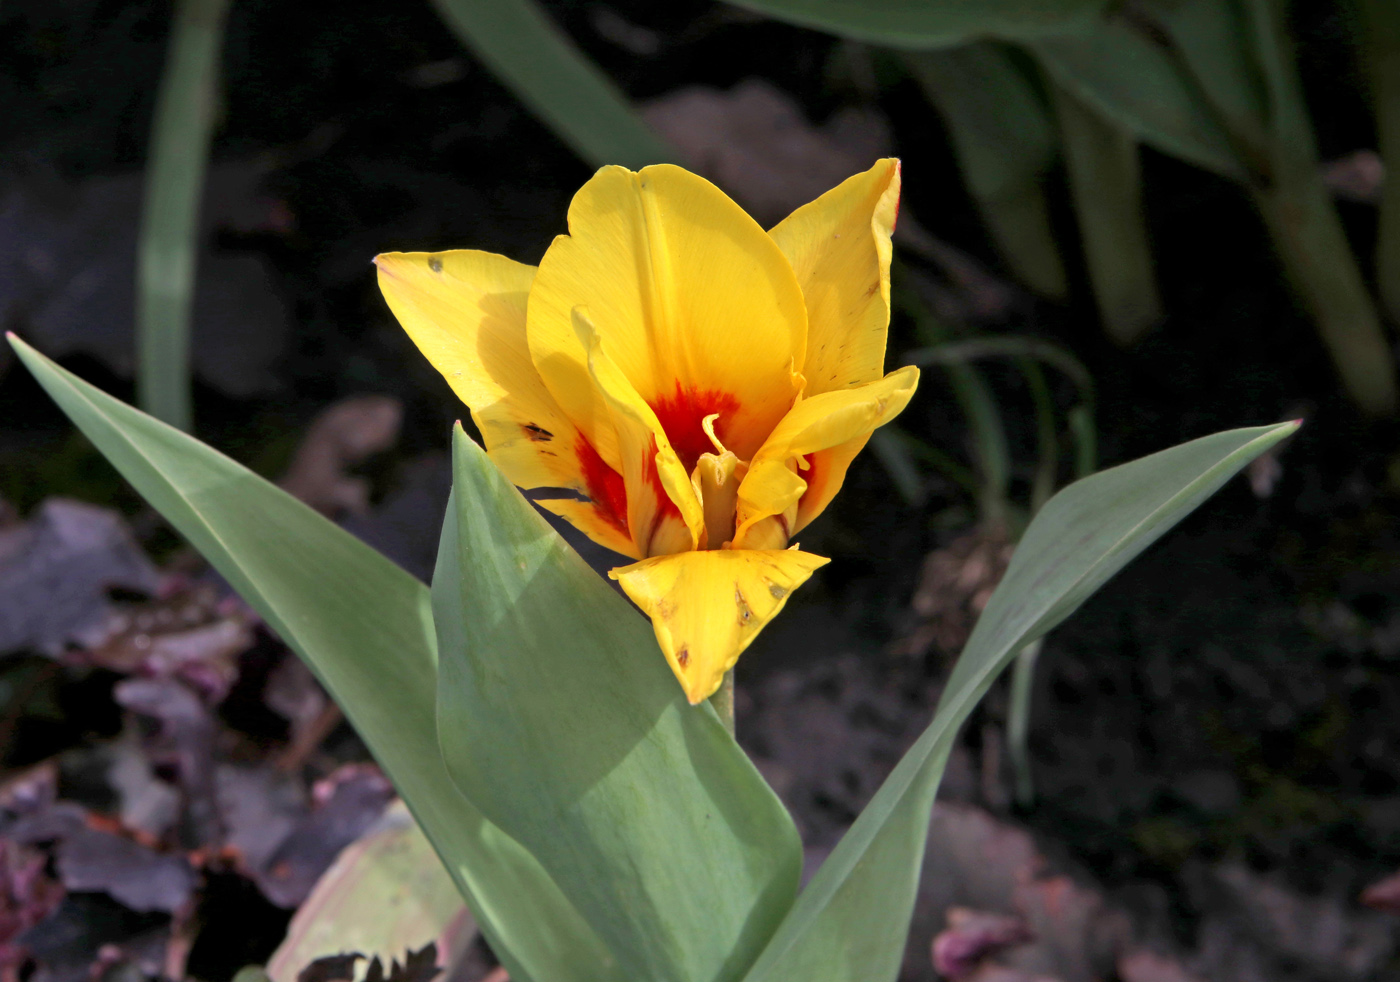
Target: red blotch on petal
682, 415
603, 485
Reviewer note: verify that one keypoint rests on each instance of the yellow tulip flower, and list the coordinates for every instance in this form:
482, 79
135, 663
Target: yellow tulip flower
700, 384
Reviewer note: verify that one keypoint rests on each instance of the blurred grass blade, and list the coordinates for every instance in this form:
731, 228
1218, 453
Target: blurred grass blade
1005, 143
1007, 346
1047, 441
1086, 440
1308, 233
385, 894
1380, 46
1135, 82
919, 24
975, 398
365, 627
1018, 722
1105, 180
168, 245
539, 63
851, 920
560, 720
894, 455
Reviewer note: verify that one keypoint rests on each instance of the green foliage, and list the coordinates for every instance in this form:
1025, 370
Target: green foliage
851, 920
560, 720
598, 826
1004, 139
169, 238
920, 24
1133, 81
1101, 161
519, 43
365, 627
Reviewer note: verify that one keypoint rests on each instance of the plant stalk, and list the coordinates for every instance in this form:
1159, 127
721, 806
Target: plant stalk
169, 238
1308, 233
723, 701
1018, 722
1101, 160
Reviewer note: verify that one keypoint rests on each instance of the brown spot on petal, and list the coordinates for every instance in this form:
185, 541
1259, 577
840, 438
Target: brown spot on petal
779, 592
435, 263
745, 615
683, 656
537, 433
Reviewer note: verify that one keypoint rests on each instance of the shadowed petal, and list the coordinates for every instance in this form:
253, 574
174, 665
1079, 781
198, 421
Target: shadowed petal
466, 312
706, 607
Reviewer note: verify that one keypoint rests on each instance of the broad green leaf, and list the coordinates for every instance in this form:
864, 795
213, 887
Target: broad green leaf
539, 63
561, 721
850, 923
365, 627
1213, 39
1005, 142
386, 893
933, 23
168, 242
1101, 161
1139, 85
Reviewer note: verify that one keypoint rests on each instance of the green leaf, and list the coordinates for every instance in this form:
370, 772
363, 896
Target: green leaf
1213, 39
852, 919
1004, 140
540, 64
933, 23
169, 238
386, 894
1141, 86
1101, 161
1308, 232
365, 627
561, 721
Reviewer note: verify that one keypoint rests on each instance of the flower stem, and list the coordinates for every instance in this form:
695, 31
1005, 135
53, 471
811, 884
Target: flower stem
723, 701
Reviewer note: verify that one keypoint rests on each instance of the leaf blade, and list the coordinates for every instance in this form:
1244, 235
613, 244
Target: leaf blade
851, 920
640, 806
241, 524
541, 65
917, 24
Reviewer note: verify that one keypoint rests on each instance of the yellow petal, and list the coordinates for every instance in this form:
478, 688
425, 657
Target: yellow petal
774, 485
839, 247
663, 513
466, 312
697, 306
583, 515
708, 606
716, 481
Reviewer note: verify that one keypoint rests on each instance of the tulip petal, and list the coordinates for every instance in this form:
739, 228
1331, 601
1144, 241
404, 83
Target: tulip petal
807, 436
839, 248
698, 309
707, 607
466, 312
663, 512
